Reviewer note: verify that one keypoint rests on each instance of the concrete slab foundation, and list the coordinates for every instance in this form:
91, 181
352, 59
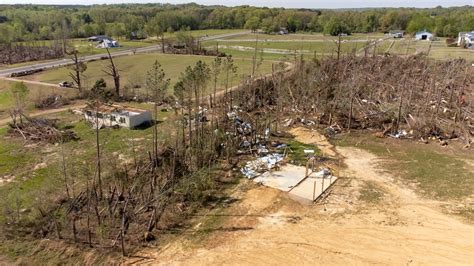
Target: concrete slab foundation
312, 187
291, 178
286, 178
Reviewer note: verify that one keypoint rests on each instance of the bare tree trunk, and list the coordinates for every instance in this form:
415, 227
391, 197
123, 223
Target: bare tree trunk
163, 42
63, 162
254, 61
112, 71
97, 145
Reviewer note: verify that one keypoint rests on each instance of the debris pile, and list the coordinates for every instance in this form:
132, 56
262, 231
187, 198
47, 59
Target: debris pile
52, 101
323, 173
256, 167
40, 130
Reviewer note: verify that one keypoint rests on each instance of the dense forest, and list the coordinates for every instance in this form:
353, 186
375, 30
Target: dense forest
36, 22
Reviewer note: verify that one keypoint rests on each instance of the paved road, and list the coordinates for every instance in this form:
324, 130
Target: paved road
66, 61
62, 62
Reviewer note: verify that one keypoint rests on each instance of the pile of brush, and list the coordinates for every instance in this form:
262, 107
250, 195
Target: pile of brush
39, 130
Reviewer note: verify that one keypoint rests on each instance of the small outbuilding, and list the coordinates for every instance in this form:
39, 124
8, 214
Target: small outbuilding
116, 115
424, 36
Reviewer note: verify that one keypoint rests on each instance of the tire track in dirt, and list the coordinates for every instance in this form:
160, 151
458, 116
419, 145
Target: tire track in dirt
404, 229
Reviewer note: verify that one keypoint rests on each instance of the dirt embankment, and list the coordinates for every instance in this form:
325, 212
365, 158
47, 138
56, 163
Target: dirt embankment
397, 228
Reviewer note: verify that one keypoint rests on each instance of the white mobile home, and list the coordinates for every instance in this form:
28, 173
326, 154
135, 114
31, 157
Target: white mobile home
424, 36
115, 115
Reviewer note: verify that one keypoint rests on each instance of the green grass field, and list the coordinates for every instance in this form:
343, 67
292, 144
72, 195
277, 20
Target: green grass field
209, 32
284, 46
306, 36
133, 69
36, 92
417, 162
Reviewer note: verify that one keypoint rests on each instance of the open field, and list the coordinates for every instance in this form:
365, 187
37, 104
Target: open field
36, 92
279, 46
416, 164
208, 33
308, 36
133, 69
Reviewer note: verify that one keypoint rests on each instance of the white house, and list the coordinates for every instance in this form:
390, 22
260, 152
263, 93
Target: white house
115, 115
106, 43
424, 36
466, 38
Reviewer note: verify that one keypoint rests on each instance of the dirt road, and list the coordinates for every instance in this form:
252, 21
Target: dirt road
402, 229
34, 82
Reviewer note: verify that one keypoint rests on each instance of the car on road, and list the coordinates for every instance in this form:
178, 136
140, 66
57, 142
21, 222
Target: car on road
66, 84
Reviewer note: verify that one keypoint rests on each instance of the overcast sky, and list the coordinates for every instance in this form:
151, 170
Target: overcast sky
270, 3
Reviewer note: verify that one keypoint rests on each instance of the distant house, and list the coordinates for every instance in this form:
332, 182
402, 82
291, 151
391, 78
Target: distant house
396, 33
466, 39
424, 36
108, 44
98, 38
116, 115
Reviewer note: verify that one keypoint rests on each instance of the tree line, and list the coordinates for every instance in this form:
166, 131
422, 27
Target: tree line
33, 22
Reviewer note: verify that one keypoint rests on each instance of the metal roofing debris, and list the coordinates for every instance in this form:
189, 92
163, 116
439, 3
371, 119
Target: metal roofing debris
399, 134
324, 172
256, 167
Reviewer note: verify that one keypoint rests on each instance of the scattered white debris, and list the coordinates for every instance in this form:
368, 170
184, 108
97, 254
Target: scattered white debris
261, 165
281, 146
308, 151
399, 134
324, 172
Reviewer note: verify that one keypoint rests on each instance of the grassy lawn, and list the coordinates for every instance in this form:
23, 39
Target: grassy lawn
89, 48
306, 36
296, 152
278, 46
36, 92
209, 32
439, 173
133, 68
439, 50
287, 47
